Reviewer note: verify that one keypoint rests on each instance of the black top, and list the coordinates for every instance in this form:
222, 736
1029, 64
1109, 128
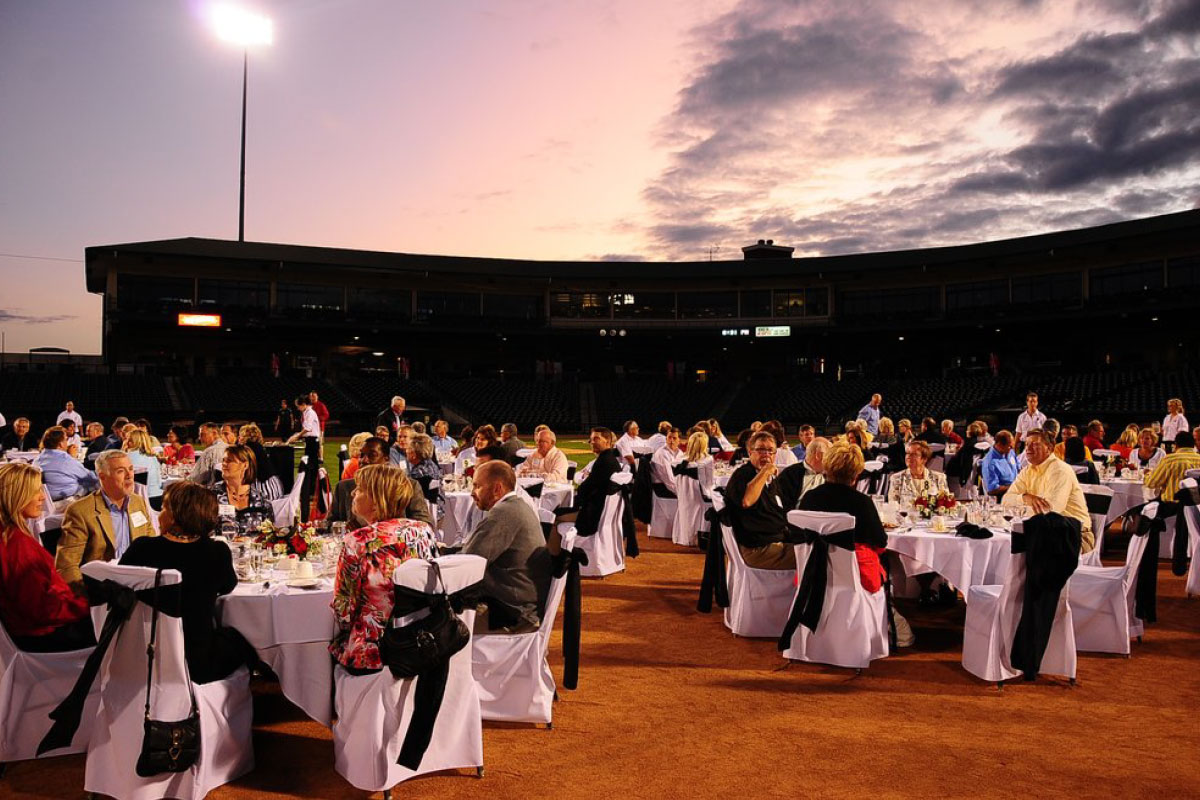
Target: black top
12, 441
762, 523
931, 437
592, 493
837, 497
207, 570
264, 470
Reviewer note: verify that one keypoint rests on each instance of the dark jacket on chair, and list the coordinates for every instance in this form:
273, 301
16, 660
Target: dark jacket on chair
593, 492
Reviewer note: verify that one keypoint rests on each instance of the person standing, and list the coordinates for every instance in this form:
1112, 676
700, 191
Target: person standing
1174, 423
70, 413
310, 433
322, 412
1030, 418
285, 421
392, 417
870, 414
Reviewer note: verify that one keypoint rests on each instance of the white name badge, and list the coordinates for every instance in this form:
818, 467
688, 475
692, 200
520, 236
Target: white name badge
778, 501
138, 519
226, 510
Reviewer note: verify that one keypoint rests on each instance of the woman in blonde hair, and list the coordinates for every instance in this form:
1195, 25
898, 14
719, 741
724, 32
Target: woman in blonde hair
904, 431
140, 450
39, 611
714, 432
354, 449
1174, 422
363, 596
250, 435
697, 456
1126, 442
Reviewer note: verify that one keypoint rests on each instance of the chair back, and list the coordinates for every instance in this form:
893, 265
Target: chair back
1080, 469
1099, 499
843, 565
284, 509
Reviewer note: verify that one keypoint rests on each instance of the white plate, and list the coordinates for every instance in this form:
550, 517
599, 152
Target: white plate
304, 583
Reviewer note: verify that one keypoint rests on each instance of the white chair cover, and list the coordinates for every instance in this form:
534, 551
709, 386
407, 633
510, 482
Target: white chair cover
285, 508
759, 599
1192, 515
1104, 453
1102, 603
992, 616
605, 549
31, 686
226, 708
662, 517
853, 630
142, 492
937, 458
689, 514
1092, 559
514, 678
374, 710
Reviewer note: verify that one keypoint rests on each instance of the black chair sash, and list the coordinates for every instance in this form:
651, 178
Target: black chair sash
430, 688
1097, 503
1184, 497
810, 599
713, 583
643, 490
121, 601
687, 469
534, 490
628, 527
1051, 543
568, 562
661, 490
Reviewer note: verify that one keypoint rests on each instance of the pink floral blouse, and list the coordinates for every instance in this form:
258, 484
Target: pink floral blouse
363, 595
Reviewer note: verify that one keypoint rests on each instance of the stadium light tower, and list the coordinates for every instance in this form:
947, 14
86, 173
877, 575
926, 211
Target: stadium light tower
245, 28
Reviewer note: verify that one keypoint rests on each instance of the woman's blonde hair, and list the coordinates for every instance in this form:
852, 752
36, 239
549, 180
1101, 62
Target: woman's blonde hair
843, 463
714, 427
886, 427
1173, 404
388, 488
356, 442
19, 485
697, 446
250, 433
139, 440
1128, 438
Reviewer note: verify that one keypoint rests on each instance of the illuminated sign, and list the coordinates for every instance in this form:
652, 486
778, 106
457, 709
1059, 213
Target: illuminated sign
200, 320
773, 330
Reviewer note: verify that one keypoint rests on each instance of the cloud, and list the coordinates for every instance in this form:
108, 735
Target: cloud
844, 127
617, 257
32, 319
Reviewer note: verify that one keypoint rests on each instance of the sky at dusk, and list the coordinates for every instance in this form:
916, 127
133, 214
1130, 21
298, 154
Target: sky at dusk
606, 129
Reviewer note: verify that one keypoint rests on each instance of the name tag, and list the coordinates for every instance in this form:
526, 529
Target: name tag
778, 501
138, 519
226, 510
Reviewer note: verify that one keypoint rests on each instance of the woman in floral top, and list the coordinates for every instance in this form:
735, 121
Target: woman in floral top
363, 596
916, 480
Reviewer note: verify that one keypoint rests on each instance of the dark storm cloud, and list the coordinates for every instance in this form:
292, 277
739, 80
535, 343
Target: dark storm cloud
1105, 127
32, 319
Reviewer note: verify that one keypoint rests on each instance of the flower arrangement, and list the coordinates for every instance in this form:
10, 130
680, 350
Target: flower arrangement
931, 505
301, 541
1117, 464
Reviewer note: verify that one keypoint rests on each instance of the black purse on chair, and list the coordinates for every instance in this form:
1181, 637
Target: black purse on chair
427, 643
167, 746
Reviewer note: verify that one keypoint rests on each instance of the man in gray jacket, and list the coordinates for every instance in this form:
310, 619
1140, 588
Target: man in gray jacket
517, 578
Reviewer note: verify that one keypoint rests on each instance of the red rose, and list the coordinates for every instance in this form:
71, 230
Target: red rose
299, 546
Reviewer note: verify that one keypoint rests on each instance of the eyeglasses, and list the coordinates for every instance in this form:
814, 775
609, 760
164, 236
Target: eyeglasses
763, 450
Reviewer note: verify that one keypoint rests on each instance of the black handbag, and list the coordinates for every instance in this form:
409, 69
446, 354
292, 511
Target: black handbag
167, 746
427, 643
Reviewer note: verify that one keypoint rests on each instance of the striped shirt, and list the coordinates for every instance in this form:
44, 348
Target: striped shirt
1171, 470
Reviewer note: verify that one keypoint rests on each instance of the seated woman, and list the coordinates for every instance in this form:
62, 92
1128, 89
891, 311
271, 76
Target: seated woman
178, 449
1126, 442
915, 480
141, 453
363, 595
38, 609
1148, 453
717, 438
422, 463
960, 463
843, 462
904, 431
485, 437
1075, 456
887, 432
697, 456
65, 477
854, 437
354, 450
268, 482
244, 506
467, 437
741, 452
188, 516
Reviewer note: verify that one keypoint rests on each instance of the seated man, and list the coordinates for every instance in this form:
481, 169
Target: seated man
999, 466
1048, 484
102, 525
662, 476
798, 479
398, 454
510, 443
517, 578
74, 443
629, 443
547, 461
61, 474
374, 451
756, 511
1164, 479
20, 437
590, 497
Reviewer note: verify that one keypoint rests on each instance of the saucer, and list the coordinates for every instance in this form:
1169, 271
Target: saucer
304, 583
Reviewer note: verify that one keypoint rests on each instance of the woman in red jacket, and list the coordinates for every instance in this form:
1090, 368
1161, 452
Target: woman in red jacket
38, 610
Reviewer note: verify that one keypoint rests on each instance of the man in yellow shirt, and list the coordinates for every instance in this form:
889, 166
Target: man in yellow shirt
1048, 484
1165, 478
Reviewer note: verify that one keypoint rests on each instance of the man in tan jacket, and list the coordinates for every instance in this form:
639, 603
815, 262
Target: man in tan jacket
101, 525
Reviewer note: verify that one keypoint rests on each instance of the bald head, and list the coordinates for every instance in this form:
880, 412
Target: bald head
814, 455
493, 480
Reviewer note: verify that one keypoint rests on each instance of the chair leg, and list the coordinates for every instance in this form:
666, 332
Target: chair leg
1071, 681
479, 770
387, 794
999, 686
1139, 640
549, 726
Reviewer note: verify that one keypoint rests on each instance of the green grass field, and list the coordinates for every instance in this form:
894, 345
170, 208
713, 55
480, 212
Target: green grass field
575, 447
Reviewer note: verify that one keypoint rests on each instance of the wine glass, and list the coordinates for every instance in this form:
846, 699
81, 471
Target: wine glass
903, 512
1007, 513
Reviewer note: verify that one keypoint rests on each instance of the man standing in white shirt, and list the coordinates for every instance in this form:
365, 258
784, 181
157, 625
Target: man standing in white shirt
629, 444
310, 432
70, 413
1030, 418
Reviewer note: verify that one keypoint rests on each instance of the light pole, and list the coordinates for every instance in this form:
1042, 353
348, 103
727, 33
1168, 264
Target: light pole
243, 28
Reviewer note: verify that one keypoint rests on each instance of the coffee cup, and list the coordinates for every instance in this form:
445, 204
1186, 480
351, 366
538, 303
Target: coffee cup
287, 564
304, 570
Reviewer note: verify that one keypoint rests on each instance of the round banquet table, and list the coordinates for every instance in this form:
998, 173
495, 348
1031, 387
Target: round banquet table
961, 561
290, 628
1126, 495
460, 515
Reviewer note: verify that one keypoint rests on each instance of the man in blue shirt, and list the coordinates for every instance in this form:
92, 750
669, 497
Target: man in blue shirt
870, 414
61, 474
442, 442
805, 434
999, 467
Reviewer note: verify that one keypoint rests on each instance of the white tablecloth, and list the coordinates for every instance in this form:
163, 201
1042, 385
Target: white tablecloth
1126, 495
961, 561
461, 515
291, 629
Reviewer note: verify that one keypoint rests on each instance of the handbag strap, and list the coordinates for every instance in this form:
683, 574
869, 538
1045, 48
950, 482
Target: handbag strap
150, 650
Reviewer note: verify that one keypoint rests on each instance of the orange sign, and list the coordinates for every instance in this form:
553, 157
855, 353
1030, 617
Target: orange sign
200, 320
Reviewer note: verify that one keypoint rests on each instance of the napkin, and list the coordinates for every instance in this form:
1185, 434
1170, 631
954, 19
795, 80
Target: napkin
972, 531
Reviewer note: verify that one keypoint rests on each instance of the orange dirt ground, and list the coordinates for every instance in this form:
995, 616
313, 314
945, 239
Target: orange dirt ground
670, 704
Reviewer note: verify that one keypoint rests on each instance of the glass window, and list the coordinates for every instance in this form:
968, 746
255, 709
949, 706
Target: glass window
643, 305
440, 305
1183, 271
708, 305
756, 303
309, 298
817, 302
978, 294
512, 306
579, 305
789, 302
233, 294
395, 304
153, 293
1059, 289
889, 303
1126, 279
